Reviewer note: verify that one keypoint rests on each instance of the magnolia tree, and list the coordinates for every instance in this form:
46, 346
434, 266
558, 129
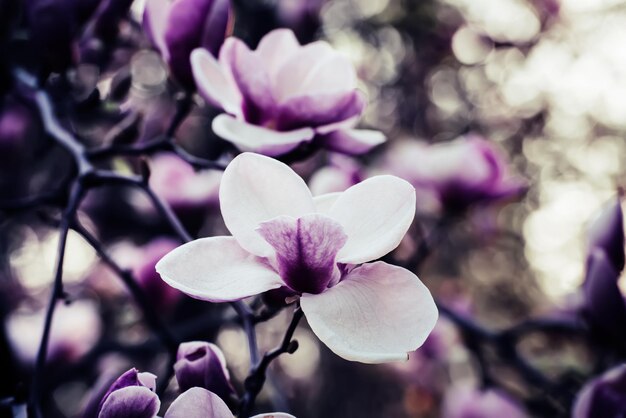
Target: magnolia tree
215, 159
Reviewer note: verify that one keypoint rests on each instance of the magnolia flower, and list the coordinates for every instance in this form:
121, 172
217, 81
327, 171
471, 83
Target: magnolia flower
284, 238
603, 302
603, 396
132, 396
606, 232
202, 364
176, 27
459, 173
282, 95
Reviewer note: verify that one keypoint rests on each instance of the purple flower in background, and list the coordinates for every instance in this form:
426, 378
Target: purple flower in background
604, 396
459, 173
131, 396
341, 173
467, 402
200, 403
606, 232
603, 302
202, 364
143, 269
283, 237
177, 27
283, 94
181, 186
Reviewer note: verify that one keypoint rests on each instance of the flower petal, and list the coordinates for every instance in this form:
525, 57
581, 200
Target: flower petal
275, 49
377, 313
375, 214
315, 68
256, 188
131, 402
274, 415
248, 137
252, 79
320, 110
155, 18
198, 403
354, 141
305, 249
216, 269
213, 83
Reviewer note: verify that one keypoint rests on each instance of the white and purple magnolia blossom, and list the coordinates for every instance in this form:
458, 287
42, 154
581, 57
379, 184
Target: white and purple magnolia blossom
283, 94
177, 27
312, 248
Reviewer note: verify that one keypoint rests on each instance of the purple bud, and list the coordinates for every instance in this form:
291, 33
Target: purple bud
606, 232
603, 302
156, 289
604, 396
202, 364
131, 396
178, 27
465, 402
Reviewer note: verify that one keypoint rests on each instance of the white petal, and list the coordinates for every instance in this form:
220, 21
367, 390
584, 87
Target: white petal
276, 48
213, 83
216, 269
198, 403
324, 202
375, 214
378, 313
155, 18
255, 189
248, 137
354, 141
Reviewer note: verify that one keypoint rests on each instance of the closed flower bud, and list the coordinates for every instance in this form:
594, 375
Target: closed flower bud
606, 232
202, 364
178, 27
604, 396
131, 396
603, 302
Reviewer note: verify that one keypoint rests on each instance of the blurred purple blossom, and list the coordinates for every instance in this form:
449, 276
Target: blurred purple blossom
338, 175
334, 233
606, 232
283, 94
177, 27
460, 173
604, 396
181, 186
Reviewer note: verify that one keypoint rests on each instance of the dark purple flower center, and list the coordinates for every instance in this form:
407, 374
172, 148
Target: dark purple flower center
305, 250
